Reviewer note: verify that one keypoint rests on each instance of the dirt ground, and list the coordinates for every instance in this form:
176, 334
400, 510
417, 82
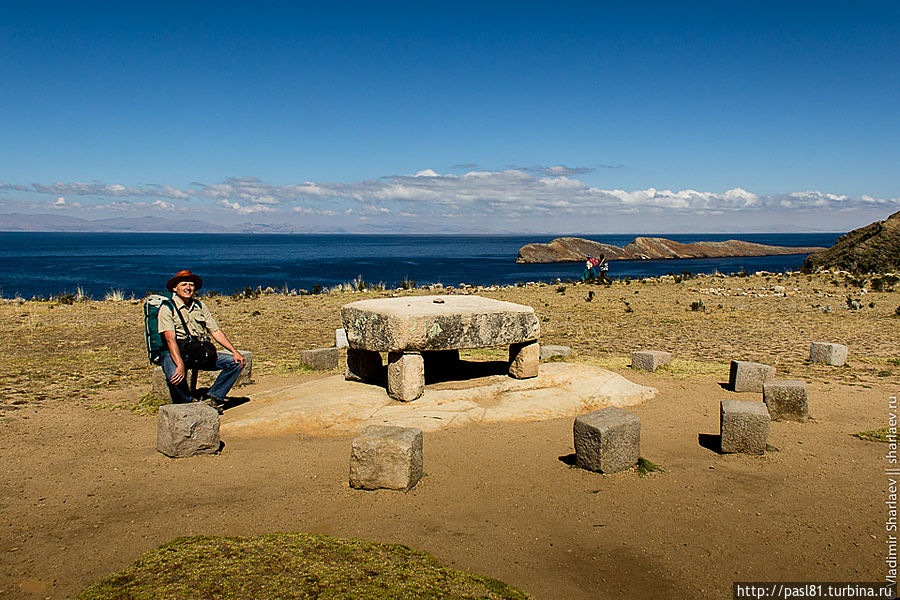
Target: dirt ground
83, 491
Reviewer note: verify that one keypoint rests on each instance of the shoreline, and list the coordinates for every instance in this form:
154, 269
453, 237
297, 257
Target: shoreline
359, 285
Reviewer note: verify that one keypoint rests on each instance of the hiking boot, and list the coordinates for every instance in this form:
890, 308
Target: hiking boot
214, 403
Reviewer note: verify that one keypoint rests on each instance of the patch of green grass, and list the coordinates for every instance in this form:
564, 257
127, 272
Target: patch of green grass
556, 358
876, 435
291, 565
150, 403
645, 467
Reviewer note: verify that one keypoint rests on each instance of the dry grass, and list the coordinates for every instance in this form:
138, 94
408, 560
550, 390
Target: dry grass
74, 352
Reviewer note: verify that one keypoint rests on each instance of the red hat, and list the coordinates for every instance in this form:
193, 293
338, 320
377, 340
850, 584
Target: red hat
184, 276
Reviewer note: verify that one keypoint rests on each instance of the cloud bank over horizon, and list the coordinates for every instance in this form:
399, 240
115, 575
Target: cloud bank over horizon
516, 198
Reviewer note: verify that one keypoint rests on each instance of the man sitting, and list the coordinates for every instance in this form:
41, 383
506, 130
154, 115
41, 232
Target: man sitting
195, 316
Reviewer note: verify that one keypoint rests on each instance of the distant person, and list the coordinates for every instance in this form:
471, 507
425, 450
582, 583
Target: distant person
589, 269
603, 270
189, 320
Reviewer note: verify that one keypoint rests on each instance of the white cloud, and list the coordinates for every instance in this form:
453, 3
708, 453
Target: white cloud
538, 193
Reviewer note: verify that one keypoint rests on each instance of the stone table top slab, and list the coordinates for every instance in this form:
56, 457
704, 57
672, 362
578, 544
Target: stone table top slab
422, 323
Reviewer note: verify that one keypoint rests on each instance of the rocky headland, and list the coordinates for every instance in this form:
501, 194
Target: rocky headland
572, 249
874, 248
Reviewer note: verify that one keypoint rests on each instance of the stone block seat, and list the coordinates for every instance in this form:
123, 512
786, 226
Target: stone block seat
184, 430
649, 360
786, 400
409, 329
744, 426
607, 440
828, 353
386, 457
320, 359
749, 376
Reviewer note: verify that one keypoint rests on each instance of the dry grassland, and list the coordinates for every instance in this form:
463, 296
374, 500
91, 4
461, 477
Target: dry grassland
78, 352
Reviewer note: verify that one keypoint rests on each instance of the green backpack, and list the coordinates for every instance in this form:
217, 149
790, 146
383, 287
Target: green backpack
155, 342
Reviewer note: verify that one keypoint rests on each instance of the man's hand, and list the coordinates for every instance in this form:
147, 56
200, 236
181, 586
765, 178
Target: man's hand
172, 345
178, 375
239, 358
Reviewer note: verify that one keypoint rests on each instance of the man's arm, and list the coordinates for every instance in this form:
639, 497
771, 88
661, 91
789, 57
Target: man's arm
178, 376
220, 337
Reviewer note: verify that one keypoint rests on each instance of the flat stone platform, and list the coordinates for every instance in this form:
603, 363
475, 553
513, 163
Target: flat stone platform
332, 406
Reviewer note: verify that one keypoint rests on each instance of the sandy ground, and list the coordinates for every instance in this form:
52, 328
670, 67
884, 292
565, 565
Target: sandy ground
83, 493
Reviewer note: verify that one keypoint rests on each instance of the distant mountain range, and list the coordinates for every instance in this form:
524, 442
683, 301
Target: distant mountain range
50, 222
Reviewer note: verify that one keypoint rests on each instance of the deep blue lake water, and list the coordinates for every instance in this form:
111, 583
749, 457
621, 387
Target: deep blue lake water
46, 264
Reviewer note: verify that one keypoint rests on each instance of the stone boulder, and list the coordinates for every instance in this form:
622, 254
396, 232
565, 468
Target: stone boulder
320, 359
749, 376
786, 400
607, 440
386, 457
744, 426
184, 430
649, 360
246, 376
549, 351
828, 353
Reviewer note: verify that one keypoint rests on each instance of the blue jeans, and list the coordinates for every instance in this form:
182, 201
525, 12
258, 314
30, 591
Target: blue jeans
181, 393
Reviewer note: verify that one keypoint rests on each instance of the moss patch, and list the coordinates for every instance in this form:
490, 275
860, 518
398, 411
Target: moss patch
876, 435
289, 566
645, 467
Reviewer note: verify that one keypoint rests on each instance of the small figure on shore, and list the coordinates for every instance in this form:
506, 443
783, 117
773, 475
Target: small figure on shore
184, 321
590, 265
603, 270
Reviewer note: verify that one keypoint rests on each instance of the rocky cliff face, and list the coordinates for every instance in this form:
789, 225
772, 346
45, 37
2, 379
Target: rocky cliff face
874, 248
569, 249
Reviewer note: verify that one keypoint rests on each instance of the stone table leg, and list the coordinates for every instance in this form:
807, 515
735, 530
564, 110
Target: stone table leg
363, 365
406, 375
523, 359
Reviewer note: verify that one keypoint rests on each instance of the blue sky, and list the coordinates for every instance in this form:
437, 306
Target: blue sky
581, 117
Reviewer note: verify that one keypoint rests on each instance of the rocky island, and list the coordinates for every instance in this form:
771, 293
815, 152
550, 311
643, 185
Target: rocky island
572, 249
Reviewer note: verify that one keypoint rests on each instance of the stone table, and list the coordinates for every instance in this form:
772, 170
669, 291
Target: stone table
417, 328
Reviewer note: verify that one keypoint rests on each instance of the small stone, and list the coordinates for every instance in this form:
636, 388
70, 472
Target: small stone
550, 351
340, 338
649, 360
184, 430
828, 353
386, 457
786, 400
744, 426
524, 359
749, 376
320, 359
363, 365
246, 376
607, 440
405, 375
